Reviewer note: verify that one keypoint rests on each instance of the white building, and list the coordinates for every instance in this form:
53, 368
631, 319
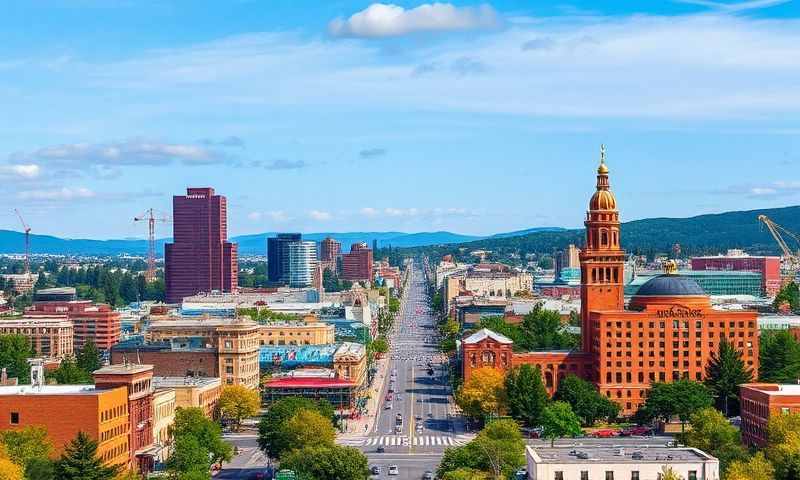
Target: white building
302, 260
608, 462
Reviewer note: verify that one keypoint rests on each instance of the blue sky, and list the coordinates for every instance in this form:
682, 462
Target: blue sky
474, 117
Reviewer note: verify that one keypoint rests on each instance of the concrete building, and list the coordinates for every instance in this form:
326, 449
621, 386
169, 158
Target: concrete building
491, 280
330, 252
200, 258
192, 392
23, 282
164, 405
278, 256
760, 401
311, 332
568, 265
713, 282
357, 265
316, 384
597, 462
768, 268
50, 335
302, 262
91, 321
668, 331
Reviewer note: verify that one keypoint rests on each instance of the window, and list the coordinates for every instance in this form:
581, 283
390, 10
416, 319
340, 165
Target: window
228, 344
609, 475
559, 475
692, 475
14, 418
584, 475
635, 475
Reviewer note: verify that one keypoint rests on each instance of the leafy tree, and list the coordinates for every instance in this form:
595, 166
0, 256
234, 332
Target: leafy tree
558, 420
465, 474
88, 359
380, 345
783, 445
589, 404
327, 462
526, 394
15, 350
192, 422
540, 329
270, 439
724, 373
40, 469
307, 428
80, 461
756, 468
26, 444
483, 394
669, 473
69, 373
712, 433
779, 357
238, 402
189, 459
788, 295
497, 451
680, 398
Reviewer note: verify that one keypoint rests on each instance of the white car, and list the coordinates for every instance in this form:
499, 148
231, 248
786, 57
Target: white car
393, 470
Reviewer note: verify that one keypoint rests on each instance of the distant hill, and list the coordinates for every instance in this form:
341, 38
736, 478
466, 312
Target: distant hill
703, 234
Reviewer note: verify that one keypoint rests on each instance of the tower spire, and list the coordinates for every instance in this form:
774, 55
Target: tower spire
603, 168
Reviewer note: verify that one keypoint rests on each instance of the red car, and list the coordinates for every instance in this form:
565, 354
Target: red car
637, 430
605, 433
388, 397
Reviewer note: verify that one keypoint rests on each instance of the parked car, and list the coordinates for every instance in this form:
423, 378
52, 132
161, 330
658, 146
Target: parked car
636, 430
393, 470
376, 470
387, 406
605, 433
428, 475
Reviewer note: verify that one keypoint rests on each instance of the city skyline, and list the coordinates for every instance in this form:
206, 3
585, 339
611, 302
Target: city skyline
285, 108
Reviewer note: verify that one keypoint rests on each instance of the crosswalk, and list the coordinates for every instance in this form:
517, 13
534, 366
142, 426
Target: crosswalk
420, 440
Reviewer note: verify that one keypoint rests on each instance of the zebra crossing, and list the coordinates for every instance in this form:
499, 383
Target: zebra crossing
420, 440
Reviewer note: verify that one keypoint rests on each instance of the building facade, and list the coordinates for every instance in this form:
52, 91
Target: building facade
200, 258
668, 332
330, 250
302, 262
51, 335
357, 265
760, 401
278, 256
769, 268
297, 333
164, 405
193, 392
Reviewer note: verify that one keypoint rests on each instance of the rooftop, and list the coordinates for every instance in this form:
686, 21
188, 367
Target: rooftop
58, 320
199, 322
775, 388
123, 369
617, 454
185, 382
50, 390
485, 333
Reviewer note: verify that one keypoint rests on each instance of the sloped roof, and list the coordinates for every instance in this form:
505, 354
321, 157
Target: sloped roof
485, 333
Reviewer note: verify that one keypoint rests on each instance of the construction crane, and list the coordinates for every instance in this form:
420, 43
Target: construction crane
792, 259
151, 217
27, 230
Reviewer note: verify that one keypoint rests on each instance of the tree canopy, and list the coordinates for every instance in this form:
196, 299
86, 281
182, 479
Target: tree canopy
526, 394
270, 428
756, 467
26, 444
587, 403
779, 357
80, 461
15, 350
194, 436
483, 394
680, 398
558, 421
496, 452
237, 402
540, 329
712, 433
724, 373
327, 462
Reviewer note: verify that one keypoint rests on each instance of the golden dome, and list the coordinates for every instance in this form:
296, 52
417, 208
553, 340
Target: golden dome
602, 169
603, 200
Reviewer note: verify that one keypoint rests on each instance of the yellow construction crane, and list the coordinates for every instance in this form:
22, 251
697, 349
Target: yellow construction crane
791, 259
151, 217
27, 230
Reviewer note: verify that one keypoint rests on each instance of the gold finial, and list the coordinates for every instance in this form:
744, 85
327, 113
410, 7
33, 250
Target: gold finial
670, 267
602, 169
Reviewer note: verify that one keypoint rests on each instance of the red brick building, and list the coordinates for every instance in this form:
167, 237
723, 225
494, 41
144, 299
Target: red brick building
758, 402
200, 259
668, 332
137, 379
768, 267
330, 250
98, 322
357, 265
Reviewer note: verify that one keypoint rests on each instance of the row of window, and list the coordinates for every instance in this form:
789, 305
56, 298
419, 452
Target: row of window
609, 475
678, 324
675, 333
115, 452
113, 432
111, 413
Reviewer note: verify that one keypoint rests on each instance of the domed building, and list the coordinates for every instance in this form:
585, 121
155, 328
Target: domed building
668, 331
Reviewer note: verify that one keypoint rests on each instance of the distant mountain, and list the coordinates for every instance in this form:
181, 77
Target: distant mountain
703, 234
518, 233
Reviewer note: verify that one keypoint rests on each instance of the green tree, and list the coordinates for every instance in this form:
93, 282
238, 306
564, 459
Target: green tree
327, 462
483, 394
80, 461
26, 444
189, 459
788, 295
783, 445
69, 373
238, 402
465, 474
380, 345
88, 359
192, 422
779, 357
755, 468
724, 373
680, 398
497, 451
526, 394
669, 473
712, 433
589, 404
307, 428
558, 421
270, 438
40, 469
15, 350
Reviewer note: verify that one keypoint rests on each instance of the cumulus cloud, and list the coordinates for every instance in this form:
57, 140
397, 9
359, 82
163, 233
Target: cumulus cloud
277, 216
780, 188
128, 153
319, 215
372, 152
21, 170
63, 193
735, 6
387, 20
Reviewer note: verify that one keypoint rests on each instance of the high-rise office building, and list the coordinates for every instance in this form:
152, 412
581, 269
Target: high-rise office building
330, 249
302, 262
200, 258
278, 256
357, 265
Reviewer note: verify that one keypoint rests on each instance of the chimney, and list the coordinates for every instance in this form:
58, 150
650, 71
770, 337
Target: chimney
3, 376
37, 372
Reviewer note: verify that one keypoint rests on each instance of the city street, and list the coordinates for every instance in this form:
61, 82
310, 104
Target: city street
415, 420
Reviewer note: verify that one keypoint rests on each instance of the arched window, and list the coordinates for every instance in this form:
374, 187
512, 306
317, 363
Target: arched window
603, 238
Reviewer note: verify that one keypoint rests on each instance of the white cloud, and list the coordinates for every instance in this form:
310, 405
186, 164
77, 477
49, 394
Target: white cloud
54, 194
320, 215
735, 6
276, 216
387, 20
369, 212
22, 170
780, 188
401, 212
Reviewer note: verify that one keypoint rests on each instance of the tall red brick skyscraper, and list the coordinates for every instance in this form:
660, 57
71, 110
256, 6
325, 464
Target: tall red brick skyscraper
200, 259
602, 260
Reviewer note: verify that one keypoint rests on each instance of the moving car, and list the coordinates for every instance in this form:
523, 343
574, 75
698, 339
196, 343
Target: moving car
398, 428
637, 430
428, 475
393, 470
387, 406
381, 449
375, 470
605, 433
